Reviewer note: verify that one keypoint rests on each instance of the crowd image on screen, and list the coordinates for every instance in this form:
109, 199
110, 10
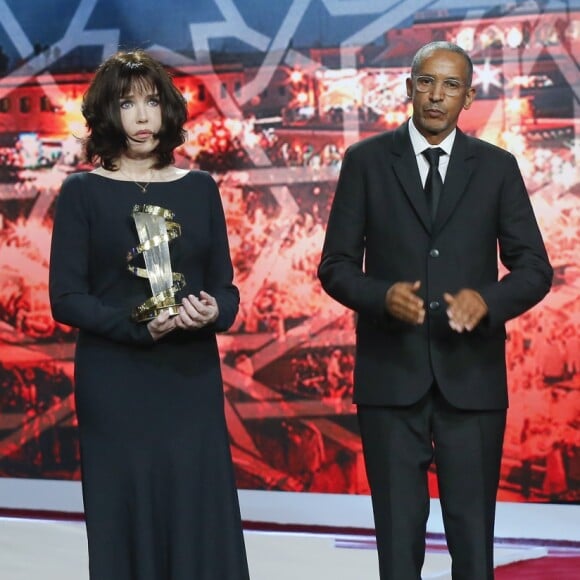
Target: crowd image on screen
276, 234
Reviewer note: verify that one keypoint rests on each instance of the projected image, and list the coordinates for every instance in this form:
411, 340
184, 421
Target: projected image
271, 122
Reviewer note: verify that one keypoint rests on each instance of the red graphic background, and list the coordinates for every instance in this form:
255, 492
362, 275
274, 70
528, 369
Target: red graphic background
288, 360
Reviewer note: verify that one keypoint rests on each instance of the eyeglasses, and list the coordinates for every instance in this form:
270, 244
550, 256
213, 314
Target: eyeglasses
426, 84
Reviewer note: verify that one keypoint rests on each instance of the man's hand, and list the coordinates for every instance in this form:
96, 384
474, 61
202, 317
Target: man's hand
465, 310
402, 302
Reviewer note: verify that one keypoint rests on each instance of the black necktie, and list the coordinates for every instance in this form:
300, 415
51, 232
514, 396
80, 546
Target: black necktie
434, 183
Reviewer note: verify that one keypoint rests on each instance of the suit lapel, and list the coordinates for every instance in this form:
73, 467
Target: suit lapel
407, 172
459, 171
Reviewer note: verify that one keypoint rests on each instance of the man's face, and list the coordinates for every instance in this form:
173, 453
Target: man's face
435, 112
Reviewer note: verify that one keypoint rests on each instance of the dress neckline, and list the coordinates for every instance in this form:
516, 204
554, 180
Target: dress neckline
179, 178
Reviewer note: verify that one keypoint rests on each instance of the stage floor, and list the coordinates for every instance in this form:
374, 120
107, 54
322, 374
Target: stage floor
56, 550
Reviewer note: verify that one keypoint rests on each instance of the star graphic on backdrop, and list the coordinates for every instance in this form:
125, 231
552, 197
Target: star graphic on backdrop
487, 76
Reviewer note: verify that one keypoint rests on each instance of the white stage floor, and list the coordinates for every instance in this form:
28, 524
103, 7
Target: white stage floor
56, 550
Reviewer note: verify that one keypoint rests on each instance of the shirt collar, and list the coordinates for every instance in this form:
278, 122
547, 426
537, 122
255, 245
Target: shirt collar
419, 142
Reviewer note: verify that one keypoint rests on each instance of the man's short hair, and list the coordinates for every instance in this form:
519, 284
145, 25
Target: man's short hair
428, 49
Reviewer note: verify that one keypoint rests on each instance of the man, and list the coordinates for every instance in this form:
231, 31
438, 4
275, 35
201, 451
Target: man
420, 269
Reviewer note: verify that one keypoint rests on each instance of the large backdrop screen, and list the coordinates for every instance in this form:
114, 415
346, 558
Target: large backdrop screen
276, 92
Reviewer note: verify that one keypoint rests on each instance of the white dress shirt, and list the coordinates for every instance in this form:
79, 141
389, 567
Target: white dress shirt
419, 144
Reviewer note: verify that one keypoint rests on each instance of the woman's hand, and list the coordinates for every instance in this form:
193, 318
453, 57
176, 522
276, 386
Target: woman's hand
161, 325
195, 313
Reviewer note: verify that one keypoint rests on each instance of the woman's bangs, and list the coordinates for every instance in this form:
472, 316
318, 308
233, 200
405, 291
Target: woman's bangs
138, 82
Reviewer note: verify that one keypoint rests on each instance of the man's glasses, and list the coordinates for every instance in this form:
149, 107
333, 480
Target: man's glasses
426, 84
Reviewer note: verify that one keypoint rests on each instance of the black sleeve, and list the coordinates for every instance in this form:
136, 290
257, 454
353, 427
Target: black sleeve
341, 266
522, 252
219, 270
70, 295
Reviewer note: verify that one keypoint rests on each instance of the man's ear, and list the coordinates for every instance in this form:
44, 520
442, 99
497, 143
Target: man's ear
409, 84
469, 96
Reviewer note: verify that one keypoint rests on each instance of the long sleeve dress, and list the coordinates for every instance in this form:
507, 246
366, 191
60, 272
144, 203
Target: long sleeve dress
158, 482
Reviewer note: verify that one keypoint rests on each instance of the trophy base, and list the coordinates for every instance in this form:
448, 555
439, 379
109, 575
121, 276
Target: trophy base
145, 315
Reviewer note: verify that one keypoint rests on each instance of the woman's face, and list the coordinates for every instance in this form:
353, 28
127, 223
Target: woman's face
141, 120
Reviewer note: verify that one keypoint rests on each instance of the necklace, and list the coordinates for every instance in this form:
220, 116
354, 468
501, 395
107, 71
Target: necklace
142, 185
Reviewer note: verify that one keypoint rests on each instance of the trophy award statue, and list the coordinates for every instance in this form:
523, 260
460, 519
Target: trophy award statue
155, 228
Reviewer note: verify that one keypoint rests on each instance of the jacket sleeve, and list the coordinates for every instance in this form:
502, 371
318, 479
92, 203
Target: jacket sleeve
341, 270
69, 287
521, 251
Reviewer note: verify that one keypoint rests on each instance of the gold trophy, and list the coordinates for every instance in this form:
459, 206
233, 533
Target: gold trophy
155, 228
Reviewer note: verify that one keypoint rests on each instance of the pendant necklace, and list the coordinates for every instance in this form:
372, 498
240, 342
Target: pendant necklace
142, 185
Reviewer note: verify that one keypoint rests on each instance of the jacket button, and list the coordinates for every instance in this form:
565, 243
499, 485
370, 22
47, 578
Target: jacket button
434, 253
434, 305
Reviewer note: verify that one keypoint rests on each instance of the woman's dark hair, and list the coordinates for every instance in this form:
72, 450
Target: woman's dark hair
114, 79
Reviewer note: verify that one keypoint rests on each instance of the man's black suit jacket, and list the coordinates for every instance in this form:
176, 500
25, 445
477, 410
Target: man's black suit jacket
379, 233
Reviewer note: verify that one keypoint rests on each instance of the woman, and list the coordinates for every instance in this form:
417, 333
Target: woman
158, 483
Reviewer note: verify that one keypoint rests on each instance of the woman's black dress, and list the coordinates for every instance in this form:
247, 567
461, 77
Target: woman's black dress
158, 483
